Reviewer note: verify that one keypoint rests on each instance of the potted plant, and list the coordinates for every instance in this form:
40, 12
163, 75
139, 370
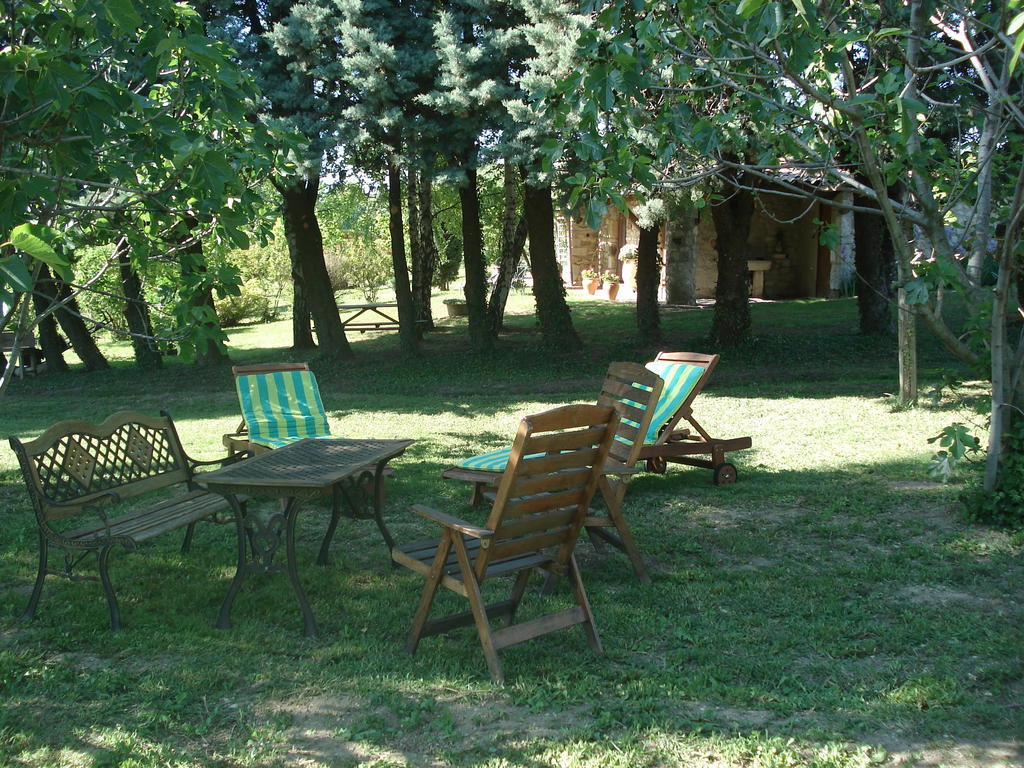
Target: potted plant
456, 307
611, 284
591, 280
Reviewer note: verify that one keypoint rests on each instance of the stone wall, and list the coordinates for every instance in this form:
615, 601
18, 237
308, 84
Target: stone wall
782, 231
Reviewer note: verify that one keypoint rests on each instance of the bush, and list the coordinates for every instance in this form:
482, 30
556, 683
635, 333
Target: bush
234, 310
1005, 506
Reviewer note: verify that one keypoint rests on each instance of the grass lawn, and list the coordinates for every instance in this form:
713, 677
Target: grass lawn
829, 609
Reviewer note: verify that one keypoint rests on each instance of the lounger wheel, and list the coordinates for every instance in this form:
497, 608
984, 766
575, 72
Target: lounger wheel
657, 464
725, 474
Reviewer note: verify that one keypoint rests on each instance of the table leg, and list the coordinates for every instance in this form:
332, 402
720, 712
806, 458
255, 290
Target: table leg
378, 505
224, 617
309, 628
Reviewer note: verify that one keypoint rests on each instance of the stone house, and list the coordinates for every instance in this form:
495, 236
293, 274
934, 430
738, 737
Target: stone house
785, 256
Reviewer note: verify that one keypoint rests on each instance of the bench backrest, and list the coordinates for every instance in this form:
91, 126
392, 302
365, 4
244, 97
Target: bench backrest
75, 463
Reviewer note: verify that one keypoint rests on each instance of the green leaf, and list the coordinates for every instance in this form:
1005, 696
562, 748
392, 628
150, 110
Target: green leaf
15, 274
1016, 24
748, 8
122, 14
1018, 43
917, 291
26, 238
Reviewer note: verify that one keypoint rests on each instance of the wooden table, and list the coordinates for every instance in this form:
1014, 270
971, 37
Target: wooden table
370, 317
295, 473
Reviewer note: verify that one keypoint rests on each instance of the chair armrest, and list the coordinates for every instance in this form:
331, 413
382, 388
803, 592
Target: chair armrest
454, 523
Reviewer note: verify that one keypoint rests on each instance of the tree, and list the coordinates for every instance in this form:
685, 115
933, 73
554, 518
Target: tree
118, 122
847, 91
260, 33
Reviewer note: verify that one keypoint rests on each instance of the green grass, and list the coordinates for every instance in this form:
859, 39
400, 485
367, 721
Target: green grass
829, 609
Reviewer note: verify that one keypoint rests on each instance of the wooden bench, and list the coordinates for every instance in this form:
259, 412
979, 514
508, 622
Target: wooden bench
78, 474
29, 358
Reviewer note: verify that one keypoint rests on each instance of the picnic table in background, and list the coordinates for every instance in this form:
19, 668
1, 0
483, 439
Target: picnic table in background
375, 316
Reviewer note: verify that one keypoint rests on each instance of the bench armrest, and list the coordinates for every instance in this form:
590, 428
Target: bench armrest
454, 523
224, 461
101, 500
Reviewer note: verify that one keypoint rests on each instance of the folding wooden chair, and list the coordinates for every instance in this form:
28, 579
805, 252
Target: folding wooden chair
684, 375
541, 505
632, 391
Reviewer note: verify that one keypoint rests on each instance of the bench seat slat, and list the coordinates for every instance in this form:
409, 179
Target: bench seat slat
149, 521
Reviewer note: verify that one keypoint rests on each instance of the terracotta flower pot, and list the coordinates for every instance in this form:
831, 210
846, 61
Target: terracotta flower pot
613, 290
592, 284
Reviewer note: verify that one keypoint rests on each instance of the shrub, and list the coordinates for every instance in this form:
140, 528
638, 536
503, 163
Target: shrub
1004, 507
234, 310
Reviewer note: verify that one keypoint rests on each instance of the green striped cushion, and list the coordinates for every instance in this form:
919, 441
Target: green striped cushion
494, 461
680, 379
277, 442
281, 407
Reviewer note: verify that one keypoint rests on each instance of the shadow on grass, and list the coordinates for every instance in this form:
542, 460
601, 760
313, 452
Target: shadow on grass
792, 614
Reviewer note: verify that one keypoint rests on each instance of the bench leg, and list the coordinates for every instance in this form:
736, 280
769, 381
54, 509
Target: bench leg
186, 544
37, 590
108, 589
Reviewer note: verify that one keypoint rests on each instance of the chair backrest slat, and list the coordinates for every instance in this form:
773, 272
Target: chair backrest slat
530, 505
542, 500
554, 462
569, 478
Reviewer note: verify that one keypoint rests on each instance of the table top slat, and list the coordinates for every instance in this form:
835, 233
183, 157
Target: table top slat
309, 463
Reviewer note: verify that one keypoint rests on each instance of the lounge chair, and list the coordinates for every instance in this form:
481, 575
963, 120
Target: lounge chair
685, 374
631, 390
540, 506
281, 404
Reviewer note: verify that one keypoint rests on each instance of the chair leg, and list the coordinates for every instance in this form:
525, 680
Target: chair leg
518, 589
589, 627
108, 589
479, 610
37, 590
429, 592
613, 501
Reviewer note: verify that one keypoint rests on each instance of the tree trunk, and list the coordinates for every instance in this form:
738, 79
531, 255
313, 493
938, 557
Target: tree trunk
407, 337
306, 248
513, 240
648, 273
731, 323
428, 246
208, 352
875, 262
906, 334
553, 313
136, 312
302, 326
480, 337
50, 342
70, 318
415, 247
681, 252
